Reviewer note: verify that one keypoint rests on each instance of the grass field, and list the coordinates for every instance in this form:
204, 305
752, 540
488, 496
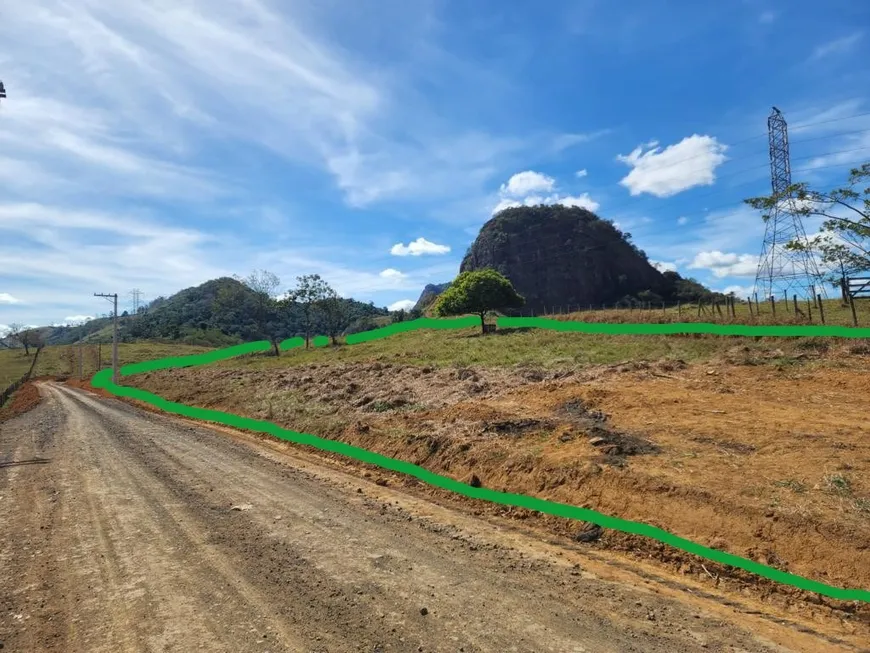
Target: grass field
835, 313
63, 360
13, 365
539, 347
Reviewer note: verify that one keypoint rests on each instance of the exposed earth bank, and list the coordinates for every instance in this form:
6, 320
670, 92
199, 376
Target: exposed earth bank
719, 452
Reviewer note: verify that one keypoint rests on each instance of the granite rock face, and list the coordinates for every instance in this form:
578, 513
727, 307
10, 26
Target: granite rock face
560, 256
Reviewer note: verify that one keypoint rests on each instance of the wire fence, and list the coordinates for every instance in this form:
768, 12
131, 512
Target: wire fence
4, 396
751, 310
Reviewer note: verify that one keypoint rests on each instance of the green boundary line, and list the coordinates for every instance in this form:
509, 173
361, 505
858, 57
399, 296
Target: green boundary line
103, 380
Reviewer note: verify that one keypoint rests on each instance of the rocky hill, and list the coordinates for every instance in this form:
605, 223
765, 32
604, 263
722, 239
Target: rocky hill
430, 294
568, 256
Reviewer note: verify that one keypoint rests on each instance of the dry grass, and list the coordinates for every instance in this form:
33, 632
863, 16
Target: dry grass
63, 360
835, 311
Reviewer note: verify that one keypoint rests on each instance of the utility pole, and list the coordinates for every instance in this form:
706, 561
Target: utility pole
114, 297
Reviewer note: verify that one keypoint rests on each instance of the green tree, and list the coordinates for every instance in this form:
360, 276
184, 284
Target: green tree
843, 242
335, 311
478, 292
309, 292
261, 286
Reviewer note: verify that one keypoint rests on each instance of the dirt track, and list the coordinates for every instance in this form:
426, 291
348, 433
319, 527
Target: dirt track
120, 534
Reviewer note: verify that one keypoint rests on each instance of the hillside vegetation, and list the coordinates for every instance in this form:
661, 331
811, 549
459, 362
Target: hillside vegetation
195, 316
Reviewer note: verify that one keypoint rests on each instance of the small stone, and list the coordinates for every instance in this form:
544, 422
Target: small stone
381, 481
589, 532
242, 506
424, 611
474, 481
596, 441
359, 490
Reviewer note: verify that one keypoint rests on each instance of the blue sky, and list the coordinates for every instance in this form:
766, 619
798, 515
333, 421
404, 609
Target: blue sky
161, 143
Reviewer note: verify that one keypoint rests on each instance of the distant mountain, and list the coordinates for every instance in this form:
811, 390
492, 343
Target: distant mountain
194, 316
430, 294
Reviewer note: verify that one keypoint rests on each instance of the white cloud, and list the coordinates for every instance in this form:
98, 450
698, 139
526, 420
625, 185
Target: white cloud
418, 247
505, 204
581, 173
682, 220
6, 298
837, 46
664, 266
527, 188
726, 264
523, 183
72, 320
689, 163
402, 304
391, 273
741, 292
582, 201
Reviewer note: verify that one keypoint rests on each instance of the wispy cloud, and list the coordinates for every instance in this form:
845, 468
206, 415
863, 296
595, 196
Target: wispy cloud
837, 46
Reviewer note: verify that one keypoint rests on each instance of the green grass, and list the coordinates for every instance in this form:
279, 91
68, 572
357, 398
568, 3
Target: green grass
536, 348
62, 360
13, 365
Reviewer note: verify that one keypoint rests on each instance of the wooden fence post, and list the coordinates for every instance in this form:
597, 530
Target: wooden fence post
773, 305
852, 306
809, 309
821, 309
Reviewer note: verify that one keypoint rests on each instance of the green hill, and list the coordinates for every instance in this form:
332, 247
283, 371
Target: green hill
193, 316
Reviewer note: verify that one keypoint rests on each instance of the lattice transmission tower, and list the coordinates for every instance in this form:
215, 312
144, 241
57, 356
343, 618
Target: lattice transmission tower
781, 271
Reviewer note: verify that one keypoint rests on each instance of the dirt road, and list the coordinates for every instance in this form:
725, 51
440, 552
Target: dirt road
123, 530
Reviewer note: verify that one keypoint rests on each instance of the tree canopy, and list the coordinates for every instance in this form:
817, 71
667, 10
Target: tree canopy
478, 292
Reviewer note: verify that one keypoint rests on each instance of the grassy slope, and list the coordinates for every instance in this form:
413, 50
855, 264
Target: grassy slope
13, 365
535, 347
836, 313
